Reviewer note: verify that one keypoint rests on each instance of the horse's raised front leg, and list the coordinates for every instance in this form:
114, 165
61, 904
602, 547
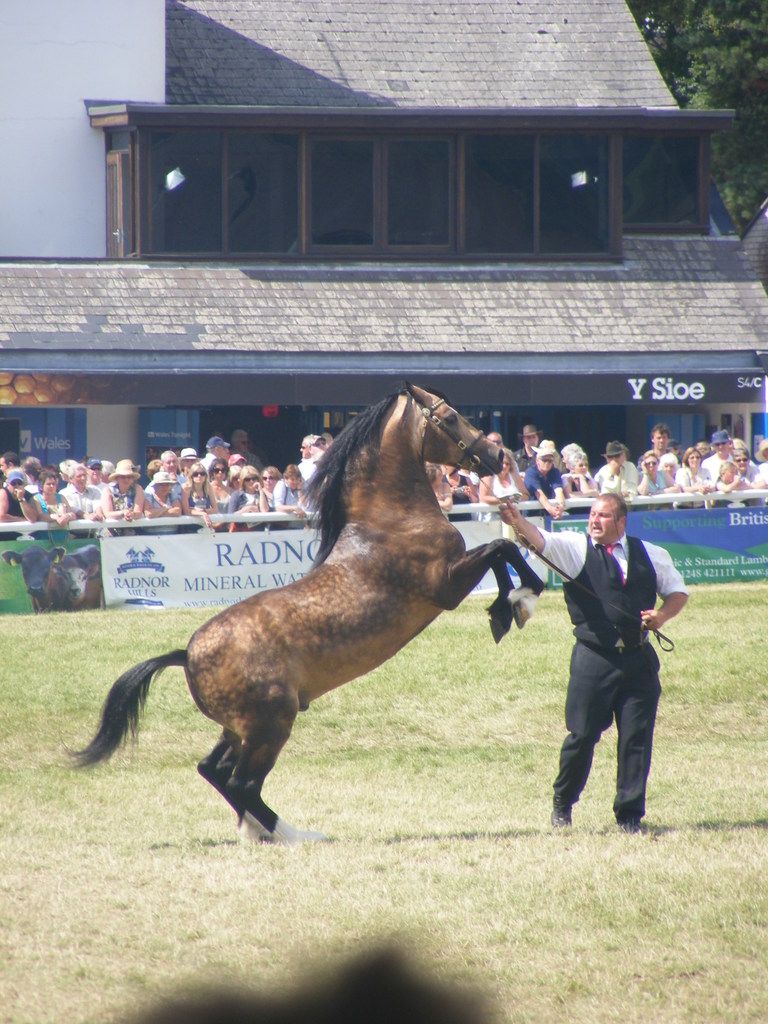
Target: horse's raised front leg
511, 604
258, 753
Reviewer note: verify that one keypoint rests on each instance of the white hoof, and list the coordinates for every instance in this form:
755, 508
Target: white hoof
523, 603
253, 831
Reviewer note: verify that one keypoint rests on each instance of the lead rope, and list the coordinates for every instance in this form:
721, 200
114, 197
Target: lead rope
665, 643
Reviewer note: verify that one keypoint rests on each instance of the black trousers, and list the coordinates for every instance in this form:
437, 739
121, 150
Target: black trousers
603, 686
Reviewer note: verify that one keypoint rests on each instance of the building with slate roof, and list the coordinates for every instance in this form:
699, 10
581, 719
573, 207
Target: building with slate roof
755, 242
233, 213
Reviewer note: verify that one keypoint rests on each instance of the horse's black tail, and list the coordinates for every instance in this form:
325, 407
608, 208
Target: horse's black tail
123, 707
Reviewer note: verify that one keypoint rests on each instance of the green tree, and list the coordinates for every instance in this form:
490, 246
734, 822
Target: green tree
714, 54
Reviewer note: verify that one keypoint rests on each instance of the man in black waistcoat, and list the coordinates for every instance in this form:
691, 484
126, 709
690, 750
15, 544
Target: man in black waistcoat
614, 669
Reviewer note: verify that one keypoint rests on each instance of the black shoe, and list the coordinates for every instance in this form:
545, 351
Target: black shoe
630, 825
561, 815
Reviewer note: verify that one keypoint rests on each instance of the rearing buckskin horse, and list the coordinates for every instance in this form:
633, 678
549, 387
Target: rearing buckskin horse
389, 563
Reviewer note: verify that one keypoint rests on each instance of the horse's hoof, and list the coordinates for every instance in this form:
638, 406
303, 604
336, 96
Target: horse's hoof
500, 614
290, 836
498, 630
252, 831
523, 604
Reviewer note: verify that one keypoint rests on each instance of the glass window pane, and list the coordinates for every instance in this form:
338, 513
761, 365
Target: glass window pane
342, 192
660, 180
262, 193
574, 194
418, 198
186, 191
499, 193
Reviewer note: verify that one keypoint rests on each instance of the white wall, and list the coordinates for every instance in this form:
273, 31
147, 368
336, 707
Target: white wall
113, 431
54, 55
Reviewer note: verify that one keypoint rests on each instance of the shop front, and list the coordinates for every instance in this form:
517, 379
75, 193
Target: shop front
138, 415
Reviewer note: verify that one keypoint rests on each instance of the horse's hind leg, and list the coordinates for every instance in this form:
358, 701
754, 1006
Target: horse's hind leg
257, 756
218, 766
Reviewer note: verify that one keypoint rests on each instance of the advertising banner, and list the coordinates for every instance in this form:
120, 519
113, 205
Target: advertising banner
51, 435
208, 569
202, 569
721, 545
161, 429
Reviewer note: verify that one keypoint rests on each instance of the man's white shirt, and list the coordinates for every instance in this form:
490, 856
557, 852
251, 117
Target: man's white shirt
567, 549
713, 464
86, 502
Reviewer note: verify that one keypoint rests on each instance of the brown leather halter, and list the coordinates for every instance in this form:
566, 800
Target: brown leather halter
428, 412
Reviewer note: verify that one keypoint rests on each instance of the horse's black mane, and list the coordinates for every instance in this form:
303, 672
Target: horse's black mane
324, 488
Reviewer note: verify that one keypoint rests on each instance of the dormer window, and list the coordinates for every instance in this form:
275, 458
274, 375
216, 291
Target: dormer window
660, 176
374, 186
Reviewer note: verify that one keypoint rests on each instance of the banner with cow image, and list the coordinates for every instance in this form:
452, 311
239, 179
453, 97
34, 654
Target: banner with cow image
45, 576
169, 571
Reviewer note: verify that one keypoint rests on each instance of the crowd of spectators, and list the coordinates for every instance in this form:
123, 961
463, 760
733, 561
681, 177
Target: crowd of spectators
539, 471
228, 479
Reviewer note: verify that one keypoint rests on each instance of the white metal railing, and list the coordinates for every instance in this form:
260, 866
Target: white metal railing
145, 525
80, 527
735, 499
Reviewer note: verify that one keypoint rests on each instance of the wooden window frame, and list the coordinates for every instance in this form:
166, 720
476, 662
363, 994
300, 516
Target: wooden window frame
703, 171
381, 130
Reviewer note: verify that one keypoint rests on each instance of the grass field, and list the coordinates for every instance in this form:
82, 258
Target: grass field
432, 777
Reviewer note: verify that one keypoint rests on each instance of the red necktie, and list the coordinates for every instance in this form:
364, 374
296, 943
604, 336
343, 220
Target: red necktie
610, 548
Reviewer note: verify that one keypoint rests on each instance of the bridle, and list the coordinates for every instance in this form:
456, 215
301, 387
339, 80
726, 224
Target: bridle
468, 454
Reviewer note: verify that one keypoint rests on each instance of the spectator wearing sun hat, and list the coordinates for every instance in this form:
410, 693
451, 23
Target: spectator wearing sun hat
123, 498
162, 501
216, 448
317, 450
187, 458
94, 469
544, 482
169, 465
723, 445
617, 476
526, 455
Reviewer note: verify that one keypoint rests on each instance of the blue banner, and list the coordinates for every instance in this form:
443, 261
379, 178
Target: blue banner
721, 545
51, 435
